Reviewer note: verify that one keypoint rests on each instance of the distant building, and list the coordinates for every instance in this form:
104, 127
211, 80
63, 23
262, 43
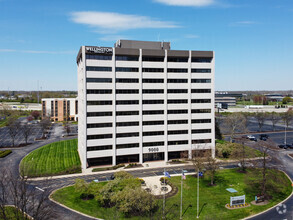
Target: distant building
59, 109
228, 94
230, 101
141, 101
275, 97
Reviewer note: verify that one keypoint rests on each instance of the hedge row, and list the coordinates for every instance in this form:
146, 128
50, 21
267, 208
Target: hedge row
5, 153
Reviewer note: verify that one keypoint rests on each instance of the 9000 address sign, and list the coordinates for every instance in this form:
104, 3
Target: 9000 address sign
154, 149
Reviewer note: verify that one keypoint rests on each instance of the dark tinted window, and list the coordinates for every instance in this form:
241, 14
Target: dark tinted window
101, 136
201, 131
98, 57
201, 111
126, 69
99, 68
201, 70
153, 91
173, 70
200, 80
126, 91
121, 135
99, 125
177, 80
200, 101
98, 114
152, 122
180, 142
153, 70
177, 91
153, 80
177, 132
152, 59
152, 102
153, 112
126, 80
201, 91
153, 133
172, 122
201, 60
99, 91
196, 121
177, 101
104, 147
99, 80
127, 58
179, 111
99, 102
119, 113
125, 124
127, 102
132, 145
178, 59
150, 144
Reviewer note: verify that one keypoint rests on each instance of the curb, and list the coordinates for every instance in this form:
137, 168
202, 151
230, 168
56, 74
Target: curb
66, 207
249, 217
290, 156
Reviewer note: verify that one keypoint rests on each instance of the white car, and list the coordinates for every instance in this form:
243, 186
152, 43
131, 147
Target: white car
246, 164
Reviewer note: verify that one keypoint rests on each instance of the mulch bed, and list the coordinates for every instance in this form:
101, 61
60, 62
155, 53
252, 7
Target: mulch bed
173, 192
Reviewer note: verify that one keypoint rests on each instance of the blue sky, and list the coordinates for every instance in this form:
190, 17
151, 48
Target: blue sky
252, 39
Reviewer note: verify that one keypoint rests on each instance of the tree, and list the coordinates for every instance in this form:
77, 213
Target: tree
274, 118
286, 100
263, 180
287, 117
27, 199
260, 99
218, 131
198, 160
66, 125
260, 118
241, 154
211, 166
13, 126
233, 123
27, 130
35, 114
45, 124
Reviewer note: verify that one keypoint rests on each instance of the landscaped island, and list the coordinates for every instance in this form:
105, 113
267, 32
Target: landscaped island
53, 159
212, 198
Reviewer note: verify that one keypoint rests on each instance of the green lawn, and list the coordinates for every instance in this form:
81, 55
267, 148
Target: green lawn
52, 159
212, 199
12, 213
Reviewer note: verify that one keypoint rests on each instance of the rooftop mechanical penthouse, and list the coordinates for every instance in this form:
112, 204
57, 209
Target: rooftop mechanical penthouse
141, 101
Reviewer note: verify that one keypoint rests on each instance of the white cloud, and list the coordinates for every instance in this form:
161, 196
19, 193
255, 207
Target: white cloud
194, 3
243, 23
191, 36
112, 38
38, 51
105, 22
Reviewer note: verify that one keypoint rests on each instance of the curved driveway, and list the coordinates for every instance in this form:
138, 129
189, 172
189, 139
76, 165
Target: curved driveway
12, 163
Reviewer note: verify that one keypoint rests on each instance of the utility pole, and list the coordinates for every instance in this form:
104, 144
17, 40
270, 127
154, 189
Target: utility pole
181, 195
197, 192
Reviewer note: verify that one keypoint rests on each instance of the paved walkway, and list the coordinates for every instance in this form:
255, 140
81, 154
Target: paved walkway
154, 184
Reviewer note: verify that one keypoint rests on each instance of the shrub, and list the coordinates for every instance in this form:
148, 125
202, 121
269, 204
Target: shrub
5, 153
162, 179
122, 175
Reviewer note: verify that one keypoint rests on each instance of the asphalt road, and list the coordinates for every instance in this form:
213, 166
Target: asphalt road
12, 162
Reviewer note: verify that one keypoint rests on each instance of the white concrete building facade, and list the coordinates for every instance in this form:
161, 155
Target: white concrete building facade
141, 101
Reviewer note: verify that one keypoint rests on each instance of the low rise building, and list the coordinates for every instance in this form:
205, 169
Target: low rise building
59, 109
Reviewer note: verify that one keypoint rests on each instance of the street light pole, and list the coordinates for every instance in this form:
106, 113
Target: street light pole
285, 134
197, 192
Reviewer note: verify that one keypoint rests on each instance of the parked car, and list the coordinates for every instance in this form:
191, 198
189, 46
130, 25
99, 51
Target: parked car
285, 146
251, 137
246, 164
263, 137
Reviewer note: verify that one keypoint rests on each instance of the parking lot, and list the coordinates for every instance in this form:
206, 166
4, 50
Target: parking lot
6, 140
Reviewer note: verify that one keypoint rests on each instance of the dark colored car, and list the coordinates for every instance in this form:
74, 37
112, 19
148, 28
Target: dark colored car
285, 146
112, 177
263, 137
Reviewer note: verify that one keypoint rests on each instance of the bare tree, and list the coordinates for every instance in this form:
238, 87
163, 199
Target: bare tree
13, 127
260, 118
211, 165
27, 130
198, 159
27, 199
241, 154
274, 118
287, 117
66, 125
45, 124
234, 123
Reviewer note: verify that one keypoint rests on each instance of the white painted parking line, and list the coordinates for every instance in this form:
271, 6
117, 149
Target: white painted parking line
40, 189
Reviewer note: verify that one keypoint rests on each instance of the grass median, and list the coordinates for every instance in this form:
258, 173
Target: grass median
52, 159
212, 199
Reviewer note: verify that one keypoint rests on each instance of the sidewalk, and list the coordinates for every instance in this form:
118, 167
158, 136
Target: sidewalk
88, 172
